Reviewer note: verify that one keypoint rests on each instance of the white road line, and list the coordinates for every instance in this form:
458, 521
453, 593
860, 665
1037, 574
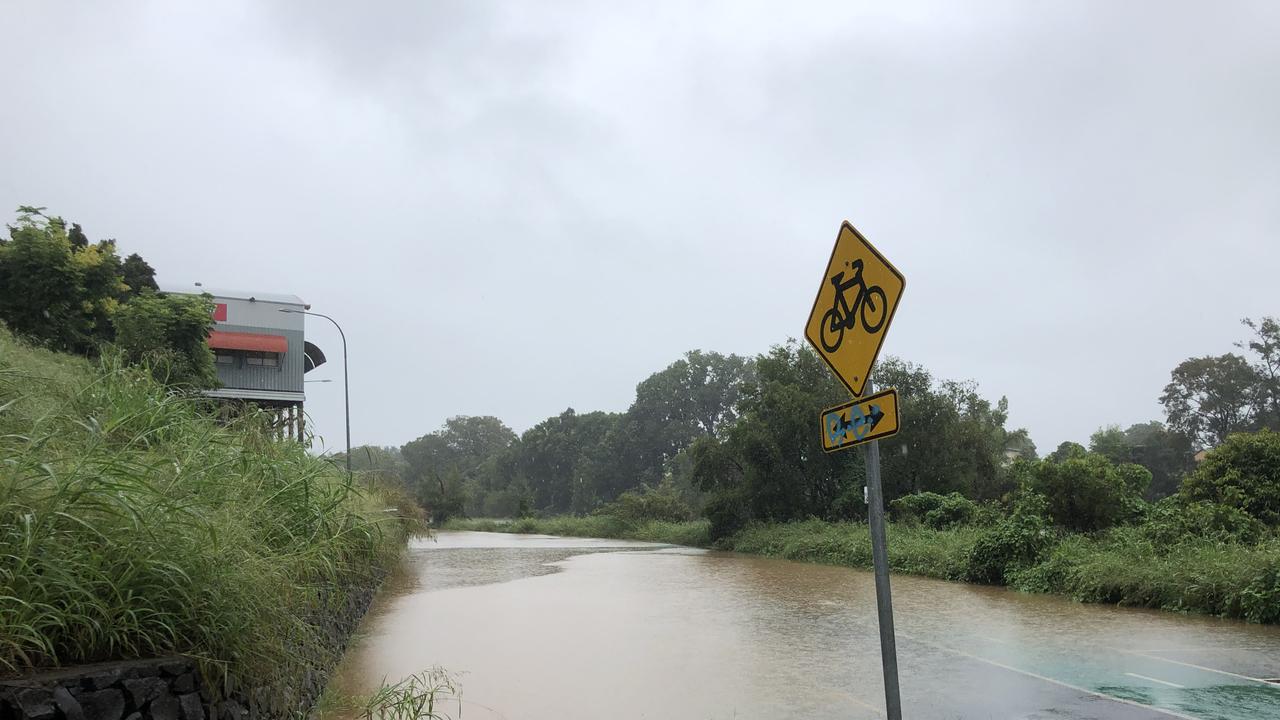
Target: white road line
1206, 669
1069, 686
1157, 680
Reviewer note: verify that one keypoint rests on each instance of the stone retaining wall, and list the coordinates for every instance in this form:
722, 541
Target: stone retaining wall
163, 689
172, 688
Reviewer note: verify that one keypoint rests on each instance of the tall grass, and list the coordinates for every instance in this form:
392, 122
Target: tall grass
133, 525
913, 550
1121, 567
426, 695
694, 533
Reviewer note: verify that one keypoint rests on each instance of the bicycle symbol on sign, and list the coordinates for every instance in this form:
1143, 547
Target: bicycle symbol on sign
868, 305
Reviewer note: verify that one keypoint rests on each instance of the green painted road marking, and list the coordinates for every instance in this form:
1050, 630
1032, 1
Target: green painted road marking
1045, 678
1201, 667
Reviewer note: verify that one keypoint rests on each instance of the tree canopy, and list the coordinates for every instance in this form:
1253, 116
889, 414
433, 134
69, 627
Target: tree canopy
56, 292
62, 291
168, 334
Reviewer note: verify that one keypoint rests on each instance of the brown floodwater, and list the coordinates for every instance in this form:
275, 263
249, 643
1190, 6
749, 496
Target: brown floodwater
542, 628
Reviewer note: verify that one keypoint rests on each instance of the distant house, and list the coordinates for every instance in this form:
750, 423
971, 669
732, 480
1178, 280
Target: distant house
1200, 456
261, 353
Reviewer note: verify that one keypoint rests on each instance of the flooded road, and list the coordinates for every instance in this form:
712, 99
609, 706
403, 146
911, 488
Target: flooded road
561, 628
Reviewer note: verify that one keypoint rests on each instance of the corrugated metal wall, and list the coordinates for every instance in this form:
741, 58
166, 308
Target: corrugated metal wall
287, 377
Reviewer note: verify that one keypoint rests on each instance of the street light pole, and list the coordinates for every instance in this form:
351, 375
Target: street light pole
346, 387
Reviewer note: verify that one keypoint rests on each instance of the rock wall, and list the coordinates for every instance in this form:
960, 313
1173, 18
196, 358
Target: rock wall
163, 689
172, 688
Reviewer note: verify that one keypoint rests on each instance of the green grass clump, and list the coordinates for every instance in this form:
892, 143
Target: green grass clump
426, 695
1195, 575
133, 525
915, 550
694, 533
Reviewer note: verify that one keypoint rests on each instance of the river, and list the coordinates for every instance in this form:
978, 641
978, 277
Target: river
543, 628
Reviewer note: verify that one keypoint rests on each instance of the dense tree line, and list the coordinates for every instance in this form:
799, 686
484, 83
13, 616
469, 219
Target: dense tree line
734, 436
735, 439
572, 462
63, 292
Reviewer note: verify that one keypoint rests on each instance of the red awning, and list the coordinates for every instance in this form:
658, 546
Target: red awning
223, 340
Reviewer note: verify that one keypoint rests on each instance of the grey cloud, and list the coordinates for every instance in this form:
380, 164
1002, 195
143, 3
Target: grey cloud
514, 208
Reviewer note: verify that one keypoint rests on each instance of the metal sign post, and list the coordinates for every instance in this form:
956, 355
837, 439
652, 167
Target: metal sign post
854, 307
884, 598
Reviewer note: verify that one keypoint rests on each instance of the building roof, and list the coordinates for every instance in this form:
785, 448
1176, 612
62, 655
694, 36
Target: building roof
280, 298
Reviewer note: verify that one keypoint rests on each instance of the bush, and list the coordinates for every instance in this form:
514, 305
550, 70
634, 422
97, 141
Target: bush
911, 509
1260, 601
1174, 519
987, 514
727, 513
955, 510
1084, 494
167, 333
1014, 543
933, 510
1244, 473
662, 503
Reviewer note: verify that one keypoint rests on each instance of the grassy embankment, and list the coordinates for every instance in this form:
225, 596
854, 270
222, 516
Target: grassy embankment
132, 525
693, 533
1120, 566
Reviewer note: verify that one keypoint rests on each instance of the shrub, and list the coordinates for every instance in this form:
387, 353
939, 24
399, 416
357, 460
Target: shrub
1083, 494
955, 509
987, 514
1260, 601
1136, 478
1244, 473
1014, 543
662, 503
727, 513
913, 508
1175, 519
167, 334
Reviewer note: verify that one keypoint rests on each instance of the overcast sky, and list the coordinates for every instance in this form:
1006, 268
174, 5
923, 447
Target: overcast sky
514, 208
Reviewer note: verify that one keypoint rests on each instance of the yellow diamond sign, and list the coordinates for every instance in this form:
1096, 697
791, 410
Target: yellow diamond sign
855, 304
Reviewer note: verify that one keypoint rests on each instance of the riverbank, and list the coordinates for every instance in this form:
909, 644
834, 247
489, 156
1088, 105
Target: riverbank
135, 525
1119, 567
693, 533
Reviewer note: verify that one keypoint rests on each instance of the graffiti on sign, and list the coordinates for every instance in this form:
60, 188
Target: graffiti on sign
856, 422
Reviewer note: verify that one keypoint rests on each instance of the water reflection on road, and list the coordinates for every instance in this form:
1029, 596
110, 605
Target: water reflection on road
568, 628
